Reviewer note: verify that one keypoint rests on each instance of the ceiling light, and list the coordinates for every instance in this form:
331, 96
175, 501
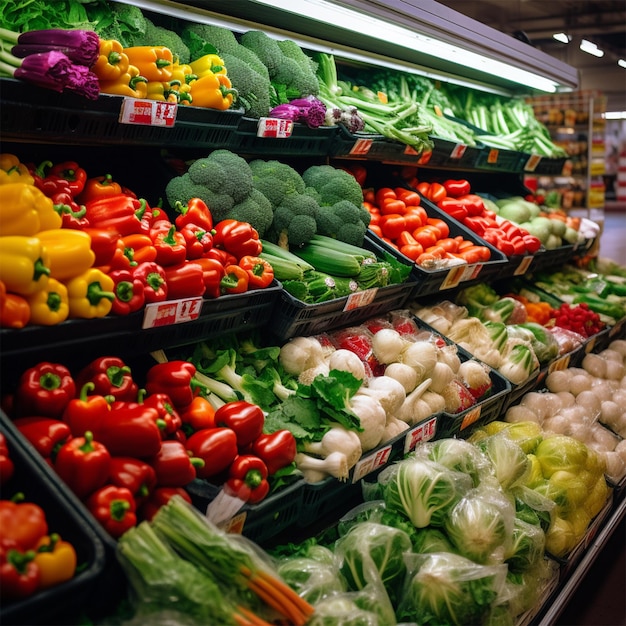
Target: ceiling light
329, 13
590, 48
615, 115
562, 37
622, 63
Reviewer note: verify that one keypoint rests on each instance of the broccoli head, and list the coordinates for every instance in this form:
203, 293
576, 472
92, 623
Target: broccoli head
275, 180
204, 39
297, 70
124, 23
265, 48
223, 171
343, 221
295, 221
253, 89
333, 184
256, 210
182, 189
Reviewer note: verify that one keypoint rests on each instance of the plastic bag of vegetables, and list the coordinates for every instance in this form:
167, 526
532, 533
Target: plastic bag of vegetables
374, 553
422, 490
449, 589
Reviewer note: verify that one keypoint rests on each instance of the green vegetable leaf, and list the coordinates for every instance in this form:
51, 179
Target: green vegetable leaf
298, 415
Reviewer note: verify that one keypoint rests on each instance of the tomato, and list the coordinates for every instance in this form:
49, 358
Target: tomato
426, 236
384, 193
369, 195
415, 217
390, 205
440, 225
408, 196
449, 244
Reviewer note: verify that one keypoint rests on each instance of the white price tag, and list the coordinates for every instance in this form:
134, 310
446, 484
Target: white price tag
420, 433
360, 298
458, 151
171, 312
371, 462
148, 112
273, 128
454, 277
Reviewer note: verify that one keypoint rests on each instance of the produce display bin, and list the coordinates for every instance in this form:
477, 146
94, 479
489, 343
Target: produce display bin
545, 166
369, 146
63, 603
326, 497
452, 154
500, 160
68, 116
546, 259
260, 522
303, 141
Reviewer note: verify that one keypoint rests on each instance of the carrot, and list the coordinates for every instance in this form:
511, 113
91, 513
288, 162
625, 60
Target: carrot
284, 608
251, 618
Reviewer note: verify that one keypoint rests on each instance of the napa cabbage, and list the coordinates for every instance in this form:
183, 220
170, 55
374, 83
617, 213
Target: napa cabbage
527, 547
510, 463
458, 455
560, 452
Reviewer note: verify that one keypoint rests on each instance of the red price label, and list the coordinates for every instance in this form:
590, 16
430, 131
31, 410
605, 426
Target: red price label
371, 462
171, 312
458, 151
533, 161
360, 298
147, 112
422, 432
492, 157
423, 160
273, 128
522, 268
361, 147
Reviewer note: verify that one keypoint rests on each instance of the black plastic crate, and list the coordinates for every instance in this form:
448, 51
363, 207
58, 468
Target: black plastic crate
67, 117
543, 166
327, 497
371, 146
546, 259
277, 513
303, 141
500, 160
66, 602
452, 155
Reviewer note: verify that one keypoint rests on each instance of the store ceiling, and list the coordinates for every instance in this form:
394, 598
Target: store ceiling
601, 21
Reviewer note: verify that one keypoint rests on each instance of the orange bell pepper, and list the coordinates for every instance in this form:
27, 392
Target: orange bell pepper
153, 62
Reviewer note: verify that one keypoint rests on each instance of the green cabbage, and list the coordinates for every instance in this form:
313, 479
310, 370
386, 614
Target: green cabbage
424, 491
527, 547
431, 540
372, 552
480, 526
560, 452
449, 589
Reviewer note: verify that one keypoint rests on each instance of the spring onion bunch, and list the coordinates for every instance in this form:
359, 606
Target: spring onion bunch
54, 59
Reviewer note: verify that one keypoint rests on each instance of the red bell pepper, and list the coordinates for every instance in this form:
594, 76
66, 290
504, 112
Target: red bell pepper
532, 243
473, 203
22, 522
160, 497
277, 450
120, 213
195, 212
246, 420
224, 257
247, 479
72, 214
456, 188
152, 275
83, 464
7, 467
72, 173
98, 187
114, 507
131, 431
217, 447
170, 246
103, 245
212, 273
454, 208
236, 280
198, 241
134, 474
238, 238
173, 466
435, 192
176, 379
185, 280
44, 389
129, 292
260, 272
19, 574
86, 412
110, 376
198, 415
169, 420
45, 434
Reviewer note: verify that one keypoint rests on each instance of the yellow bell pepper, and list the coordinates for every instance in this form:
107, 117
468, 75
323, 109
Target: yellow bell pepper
56, 560
208, 64
25, 210
183, 73
131, 84
213, 91
181, 92
154, 62
13, 171
69, 252
24, 264
90, 294
161, 91
49, 306
112, 63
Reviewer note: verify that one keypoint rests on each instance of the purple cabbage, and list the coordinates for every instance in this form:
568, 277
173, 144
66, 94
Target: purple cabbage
309, 111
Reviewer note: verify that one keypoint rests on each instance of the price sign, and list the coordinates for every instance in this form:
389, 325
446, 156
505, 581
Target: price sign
533, 161
458, 151
471, 417
493, 155
273, 128
148, 112
423, 160
411, 151
522, 268
454, 277
371, 462
361, 147
360, 298
171, 312
420, 433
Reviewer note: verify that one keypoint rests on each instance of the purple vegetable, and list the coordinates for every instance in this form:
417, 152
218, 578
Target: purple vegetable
285, 112
309, 111
45, 69
80, 46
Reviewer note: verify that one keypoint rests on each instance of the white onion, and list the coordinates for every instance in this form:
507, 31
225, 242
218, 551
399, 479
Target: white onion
579, 382
535, 401
558, 381
556, 424
620, 448
604, 436
610, 412
619, 345
566, 398
603, 389
595, 365
611, 355
615, 466
520, 413
590, 402
614, 370
581, 431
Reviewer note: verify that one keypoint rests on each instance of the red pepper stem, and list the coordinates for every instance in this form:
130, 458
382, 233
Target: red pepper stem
49, 381
20, 560
169, 238
118, 509
41, 168
88, 445
85, 389
253, 478
116, 374
124, 291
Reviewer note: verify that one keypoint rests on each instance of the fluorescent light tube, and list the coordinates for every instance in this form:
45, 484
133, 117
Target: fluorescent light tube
590, 48
622, 63
329, 13
615, 115
562, 37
